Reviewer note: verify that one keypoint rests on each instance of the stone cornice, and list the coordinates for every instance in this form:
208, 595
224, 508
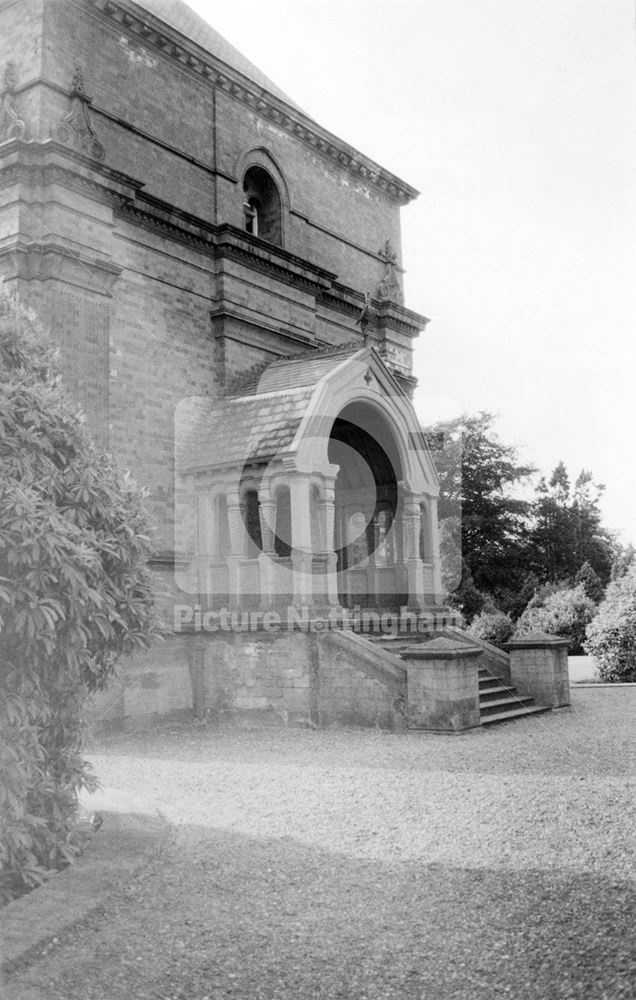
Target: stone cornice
45, 260
50, 162
396, 317
238, 245
156, 34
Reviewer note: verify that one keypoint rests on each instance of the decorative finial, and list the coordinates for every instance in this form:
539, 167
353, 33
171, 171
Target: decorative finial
76, 129
77, 86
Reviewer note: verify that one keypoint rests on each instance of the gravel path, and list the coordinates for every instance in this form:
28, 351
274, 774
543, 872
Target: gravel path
367, 865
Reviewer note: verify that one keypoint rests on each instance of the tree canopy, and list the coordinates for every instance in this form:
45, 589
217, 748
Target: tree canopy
507, 538
483, 516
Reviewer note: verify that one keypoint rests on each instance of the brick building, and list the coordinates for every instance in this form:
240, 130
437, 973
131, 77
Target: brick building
223, 274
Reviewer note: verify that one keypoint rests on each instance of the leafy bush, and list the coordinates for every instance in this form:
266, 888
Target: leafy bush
493, 626
611, 637
74, 597
565, 612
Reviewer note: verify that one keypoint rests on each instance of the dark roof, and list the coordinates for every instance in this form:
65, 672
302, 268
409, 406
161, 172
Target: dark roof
183, 19
307, 369
234, 431
262, 421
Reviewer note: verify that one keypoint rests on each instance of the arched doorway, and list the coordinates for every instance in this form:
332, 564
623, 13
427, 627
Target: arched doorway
368, 540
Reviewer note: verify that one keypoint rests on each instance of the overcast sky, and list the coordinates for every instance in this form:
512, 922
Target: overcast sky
516, 120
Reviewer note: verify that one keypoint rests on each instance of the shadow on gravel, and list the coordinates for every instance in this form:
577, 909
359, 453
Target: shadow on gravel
219, 915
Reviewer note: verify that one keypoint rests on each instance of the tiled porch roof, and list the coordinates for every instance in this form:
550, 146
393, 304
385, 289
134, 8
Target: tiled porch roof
307, 369
262, 420
232, 431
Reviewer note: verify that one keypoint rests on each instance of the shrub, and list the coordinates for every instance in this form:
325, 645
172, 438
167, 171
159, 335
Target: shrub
74, 597
467, 598
493, 626
611, 637
565, 612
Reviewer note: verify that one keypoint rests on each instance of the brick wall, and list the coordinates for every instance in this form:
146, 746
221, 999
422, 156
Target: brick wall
168, 127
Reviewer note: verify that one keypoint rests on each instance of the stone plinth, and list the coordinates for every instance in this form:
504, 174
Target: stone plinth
442, 685
539, 667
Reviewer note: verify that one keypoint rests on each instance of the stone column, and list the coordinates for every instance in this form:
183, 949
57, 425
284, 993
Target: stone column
237, 547
327, 519
411, 547
442, 685
432, 547
539, 667
203, 542
301, 556
266, 558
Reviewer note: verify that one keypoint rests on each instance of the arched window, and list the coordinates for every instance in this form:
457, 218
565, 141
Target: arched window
262, 206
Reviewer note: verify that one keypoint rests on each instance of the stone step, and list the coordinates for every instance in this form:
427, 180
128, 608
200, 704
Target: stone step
501, 704
487, 684
487, 695
515, 713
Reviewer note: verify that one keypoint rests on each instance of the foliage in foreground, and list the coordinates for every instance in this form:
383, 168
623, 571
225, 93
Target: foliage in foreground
611, 637
74, 597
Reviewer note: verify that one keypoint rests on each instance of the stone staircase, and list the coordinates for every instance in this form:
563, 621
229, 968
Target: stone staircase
499, 702
498, 699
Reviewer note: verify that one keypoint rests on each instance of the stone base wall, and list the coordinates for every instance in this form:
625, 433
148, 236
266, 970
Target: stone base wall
151, 685
358, 684
295, 678
286, 678
264, 677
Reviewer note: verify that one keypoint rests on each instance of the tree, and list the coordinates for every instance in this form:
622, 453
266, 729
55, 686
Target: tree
591, 582
564, 611
611, 637
566, 529
623, 559
484, 520
75, 595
